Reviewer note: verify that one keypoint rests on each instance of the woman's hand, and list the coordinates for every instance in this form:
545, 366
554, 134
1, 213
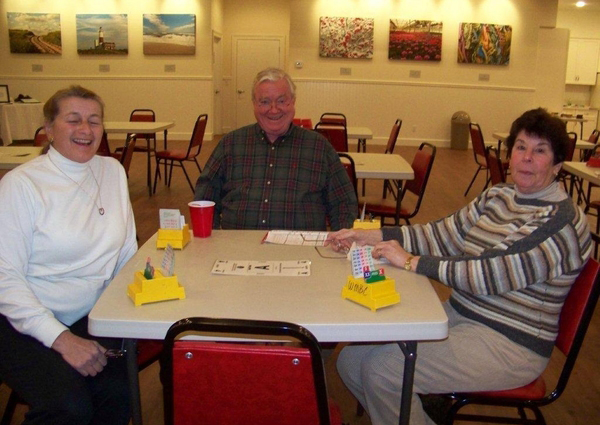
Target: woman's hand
342, 240
394, 253
84, 355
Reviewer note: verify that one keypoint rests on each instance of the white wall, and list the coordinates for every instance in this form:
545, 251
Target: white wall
378, 91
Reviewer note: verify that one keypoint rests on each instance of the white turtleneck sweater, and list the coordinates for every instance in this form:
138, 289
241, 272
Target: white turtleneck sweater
57, 253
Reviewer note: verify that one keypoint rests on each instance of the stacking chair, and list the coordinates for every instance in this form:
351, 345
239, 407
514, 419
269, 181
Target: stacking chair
307, 123
565, 175
333, 118
593, 139
213, 382
169, 157
297, 121
389, 208
335, 133
389, 149
40, 138
104, 148
125, 154
494, 164
479, 154
574, 320
350, 167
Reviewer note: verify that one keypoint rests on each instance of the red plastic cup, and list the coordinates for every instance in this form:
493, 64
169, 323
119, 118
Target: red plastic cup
201, 213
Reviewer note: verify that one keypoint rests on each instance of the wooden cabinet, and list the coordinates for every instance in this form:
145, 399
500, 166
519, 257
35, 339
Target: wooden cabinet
582, 61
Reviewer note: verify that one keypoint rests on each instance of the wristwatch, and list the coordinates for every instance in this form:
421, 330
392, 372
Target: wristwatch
407, 265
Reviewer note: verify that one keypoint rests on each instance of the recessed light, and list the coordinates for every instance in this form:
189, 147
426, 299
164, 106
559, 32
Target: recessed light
580, 4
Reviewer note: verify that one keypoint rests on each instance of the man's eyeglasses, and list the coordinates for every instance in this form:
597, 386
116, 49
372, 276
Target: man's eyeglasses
280, 103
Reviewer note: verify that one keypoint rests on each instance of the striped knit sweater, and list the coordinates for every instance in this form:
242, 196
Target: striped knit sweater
510, 259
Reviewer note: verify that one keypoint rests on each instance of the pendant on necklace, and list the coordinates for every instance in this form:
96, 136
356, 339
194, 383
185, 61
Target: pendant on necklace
101, 211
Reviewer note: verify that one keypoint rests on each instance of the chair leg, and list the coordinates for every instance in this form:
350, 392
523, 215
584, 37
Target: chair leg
156, 175
168, 182
472, 180
187, 177
9, 410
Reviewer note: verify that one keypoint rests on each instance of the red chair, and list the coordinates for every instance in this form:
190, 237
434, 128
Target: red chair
494, 164
350, 167
478, 144
307, 123
297, 121
389, 149
388, 208
169, 157
333, 118
223, 383
574, 320
40, 138
104, 147
335, 133
125, 154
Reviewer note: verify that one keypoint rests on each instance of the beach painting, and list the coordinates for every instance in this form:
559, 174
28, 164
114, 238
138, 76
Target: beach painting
486, 44
169, 34
346, 37
415, 40
102, 34
34, 33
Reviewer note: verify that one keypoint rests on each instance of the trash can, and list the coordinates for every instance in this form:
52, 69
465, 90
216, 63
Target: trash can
460, 130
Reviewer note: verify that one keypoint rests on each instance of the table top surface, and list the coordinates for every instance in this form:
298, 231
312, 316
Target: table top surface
13, 156
137, 126
313, 301
580, 169
359, 132
381, 166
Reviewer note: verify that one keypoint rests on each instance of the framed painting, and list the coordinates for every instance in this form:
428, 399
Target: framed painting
415, 40
486, 44
102, 34
4, 95
34, 33
169, 34
346, 37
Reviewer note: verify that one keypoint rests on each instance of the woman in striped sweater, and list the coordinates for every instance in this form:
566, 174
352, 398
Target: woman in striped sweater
510, 256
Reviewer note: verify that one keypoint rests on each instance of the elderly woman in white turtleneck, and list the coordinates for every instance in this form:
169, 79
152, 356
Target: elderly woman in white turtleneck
67, 229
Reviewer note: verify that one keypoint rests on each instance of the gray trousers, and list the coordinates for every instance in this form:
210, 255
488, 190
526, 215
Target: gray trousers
474, 357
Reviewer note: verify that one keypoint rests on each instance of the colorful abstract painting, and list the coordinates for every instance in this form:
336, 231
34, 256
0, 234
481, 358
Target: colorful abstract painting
169, 34
415, 40
346, 37
487, 44
102, 34
34, 33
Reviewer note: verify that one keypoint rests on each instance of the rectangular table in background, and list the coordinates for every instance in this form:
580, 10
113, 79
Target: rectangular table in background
581, 170
142, 127
314, 302
19, 121
382, 166
362, 134
13, 156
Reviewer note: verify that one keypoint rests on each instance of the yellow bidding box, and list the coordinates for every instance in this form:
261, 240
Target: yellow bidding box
178, 238
161, 288
362, 224
373, 295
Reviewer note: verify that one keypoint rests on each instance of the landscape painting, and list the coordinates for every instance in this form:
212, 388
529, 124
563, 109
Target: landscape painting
169, 34
415, 40
346, 37
487, 44
102, 34
34, 33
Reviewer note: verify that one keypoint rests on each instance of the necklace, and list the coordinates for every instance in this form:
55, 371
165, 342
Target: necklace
98, 195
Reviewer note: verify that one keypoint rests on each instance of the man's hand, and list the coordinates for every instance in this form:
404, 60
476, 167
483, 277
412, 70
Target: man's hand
85, 355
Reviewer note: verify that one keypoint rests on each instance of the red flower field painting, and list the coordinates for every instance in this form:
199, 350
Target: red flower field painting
415, 40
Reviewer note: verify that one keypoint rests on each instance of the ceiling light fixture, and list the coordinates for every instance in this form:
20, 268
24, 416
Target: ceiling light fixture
580, 4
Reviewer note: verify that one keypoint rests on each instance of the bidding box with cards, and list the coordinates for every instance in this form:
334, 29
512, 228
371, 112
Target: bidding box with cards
381, 292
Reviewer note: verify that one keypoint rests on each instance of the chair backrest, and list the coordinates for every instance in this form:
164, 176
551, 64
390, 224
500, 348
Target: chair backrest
335, 133
197, 136
571, 148
297, 121
575, 318
40, 138
307, 123
478, 142
333, 118
231, 382
391, 144
422, 164
494, 164
104, 148
594, 136
350, 167
127, 153
143, 115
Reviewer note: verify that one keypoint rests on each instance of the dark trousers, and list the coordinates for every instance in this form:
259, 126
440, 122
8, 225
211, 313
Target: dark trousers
56, 393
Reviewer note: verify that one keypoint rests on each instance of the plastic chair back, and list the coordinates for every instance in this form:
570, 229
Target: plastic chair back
231, 382
335, 133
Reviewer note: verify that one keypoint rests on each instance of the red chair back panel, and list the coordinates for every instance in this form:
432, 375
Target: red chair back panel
391, 144
230, 383
297, 121
573, 310
336, 135
307, 123
420, 166
477, 139
198, 135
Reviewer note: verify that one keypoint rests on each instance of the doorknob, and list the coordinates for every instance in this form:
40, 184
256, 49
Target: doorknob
240, 91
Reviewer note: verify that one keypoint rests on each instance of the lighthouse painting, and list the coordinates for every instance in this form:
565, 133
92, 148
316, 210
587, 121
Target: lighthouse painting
102, 34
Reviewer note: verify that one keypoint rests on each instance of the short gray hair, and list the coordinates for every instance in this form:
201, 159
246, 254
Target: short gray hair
274, 74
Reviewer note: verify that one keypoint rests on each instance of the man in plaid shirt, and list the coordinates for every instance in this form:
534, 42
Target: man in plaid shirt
276, 175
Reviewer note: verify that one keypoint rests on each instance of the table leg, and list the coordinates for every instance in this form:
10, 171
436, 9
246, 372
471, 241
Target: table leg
361, 143
149, 168
134, 381
165, 144
409, 348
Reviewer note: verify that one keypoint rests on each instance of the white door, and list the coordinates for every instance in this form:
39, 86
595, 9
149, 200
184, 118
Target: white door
251, 55
217, 117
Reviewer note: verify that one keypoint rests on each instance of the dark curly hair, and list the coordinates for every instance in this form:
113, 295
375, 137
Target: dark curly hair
538, 122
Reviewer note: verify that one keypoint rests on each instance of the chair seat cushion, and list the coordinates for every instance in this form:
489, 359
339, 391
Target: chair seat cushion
381, 206
532, 391
176, 154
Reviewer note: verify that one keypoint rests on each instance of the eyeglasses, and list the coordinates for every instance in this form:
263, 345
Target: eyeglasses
280, 103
